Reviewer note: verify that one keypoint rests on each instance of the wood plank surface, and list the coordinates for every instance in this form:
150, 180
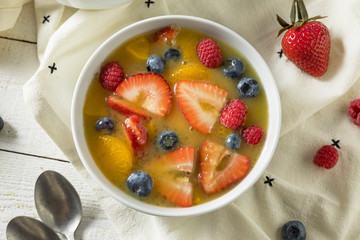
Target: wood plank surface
18, 62
18, 174
25, 149
21, 132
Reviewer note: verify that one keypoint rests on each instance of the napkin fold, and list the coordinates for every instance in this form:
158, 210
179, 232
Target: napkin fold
314, 113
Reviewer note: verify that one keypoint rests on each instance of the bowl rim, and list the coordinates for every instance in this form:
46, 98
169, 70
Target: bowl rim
214, 29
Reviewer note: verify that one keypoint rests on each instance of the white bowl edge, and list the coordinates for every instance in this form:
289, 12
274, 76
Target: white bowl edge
216, 30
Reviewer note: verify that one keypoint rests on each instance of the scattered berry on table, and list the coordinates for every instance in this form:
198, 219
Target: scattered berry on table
233, 115
252, 135
201, 103
155, 64
1, 123
104, 123
233, 141
248, 87
111, 75
354, 111
211, 178
172, 178
167, 140
313, 55
209, 53
306, 42
233, 68
140, 183
173, 54
327, 157
293, 230
148, 90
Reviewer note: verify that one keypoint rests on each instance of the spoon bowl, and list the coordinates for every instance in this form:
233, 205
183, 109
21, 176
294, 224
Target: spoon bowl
20, 228
57, 203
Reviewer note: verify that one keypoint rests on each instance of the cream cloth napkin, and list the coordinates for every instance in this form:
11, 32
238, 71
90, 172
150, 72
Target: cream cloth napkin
9, 12
314, 112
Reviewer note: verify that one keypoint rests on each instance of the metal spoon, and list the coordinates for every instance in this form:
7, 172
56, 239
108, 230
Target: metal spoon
58, 203
22, 227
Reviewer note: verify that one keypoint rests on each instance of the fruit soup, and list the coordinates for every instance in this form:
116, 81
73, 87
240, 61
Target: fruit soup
170, 119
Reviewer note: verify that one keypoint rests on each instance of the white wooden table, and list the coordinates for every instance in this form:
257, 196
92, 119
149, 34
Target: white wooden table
25, 149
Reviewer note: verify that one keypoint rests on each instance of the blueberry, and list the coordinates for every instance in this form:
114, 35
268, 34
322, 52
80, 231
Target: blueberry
104, 123
155, 64
167, 140
233, 141
140, 183
248, 87
293, 230
233, 68
1, 123
172, 53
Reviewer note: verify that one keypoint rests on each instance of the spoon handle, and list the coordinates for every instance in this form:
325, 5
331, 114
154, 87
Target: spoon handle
62, 236
70, 236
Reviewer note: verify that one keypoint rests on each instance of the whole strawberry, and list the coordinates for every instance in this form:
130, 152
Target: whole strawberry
327, 157
306, 42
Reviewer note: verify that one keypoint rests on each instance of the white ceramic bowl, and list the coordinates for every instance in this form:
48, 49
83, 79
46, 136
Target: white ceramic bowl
216, 30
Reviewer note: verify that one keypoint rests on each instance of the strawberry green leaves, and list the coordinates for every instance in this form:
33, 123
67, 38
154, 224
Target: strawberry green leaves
306, 42
298, 10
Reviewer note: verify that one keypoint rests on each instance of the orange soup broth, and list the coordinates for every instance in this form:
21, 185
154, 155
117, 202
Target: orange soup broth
186, 41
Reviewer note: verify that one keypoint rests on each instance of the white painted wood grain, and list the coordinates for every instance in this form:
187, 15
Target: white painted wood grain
25, 149
18, 62
21, 132
18, 174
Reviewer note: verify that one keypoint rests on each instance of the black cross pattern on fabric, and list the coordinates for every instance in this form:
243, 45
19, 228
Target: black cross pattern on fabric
46, 19
52, 68
280, 53
269, 181
148, 2
336, 143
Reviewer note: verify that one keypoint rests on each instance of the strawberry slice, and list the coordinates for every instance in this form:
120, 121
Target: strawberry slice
165, 35
200, 103
126, 107
148, 90
136, 133
213, 176
171, 173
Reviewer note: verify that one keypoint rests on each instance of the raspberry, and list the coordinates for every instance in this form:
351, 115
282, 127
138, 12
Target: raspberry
326, 157
209, 53
252, 135
233, 115
354, 111
111, 75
